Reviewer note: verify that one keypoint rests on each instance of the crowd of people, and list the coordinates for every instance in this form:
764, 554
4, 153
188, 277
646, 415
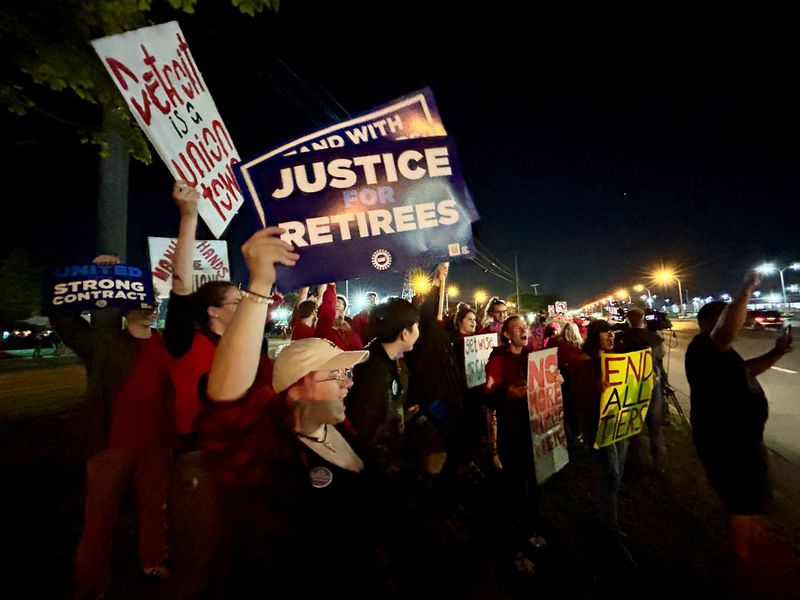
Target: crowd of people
354, 445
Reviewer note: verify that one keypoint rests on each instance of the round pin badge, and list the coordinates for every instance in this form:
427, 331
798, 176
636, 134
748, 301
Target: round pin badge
320, 477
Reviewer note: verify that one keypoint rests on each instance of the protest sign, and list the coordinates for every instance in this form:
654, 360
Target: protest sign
560, 307
355, 211
546, 411
209, 263
477, 349
76, 288
623, 405
156, 74
412, 116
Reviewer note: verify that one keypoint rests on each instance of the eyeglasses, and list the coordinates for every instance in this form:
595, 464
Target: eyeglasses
340, 375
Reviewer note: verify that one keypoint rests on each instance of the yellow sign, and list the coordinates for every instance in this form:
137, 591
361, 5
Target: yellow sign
628, 383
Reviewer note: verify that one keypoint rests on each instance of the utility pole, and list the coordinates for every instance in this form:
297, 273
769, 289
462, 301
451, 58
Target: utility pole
516, 280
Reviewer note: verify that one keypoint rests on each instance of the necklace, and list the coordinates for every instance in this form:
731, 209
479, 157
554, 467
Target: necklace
322, 441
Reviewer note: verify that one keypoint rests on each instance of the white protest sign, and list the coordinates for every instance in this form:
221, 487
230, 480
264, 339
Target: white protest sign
477, 349
209, 263
156, 74
546, 411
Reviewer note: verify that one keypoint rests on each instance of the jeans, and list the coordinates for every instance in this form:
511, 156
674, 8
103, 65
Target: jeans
611, 463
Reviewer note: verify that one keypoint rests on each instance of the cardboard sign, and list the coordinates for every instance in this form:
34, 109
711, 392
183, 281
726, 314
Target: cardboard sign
76, 288
355, 211
412, 116
156, 74
546, 411
624, 404
477, 349
209, 263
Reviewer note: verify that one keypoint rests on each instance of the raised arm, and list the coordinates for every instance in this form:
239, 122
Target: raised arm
732, 318
327, 313
179, 328
759, 364
239, 352
185, 197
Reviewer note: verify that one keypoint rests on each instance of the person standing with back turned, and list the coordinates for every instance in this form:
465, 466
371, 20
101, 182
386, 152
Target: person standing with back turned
729, 410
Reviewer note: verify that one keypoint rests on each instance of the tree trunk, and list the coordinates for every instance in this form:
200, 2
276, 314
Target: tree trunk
112, 189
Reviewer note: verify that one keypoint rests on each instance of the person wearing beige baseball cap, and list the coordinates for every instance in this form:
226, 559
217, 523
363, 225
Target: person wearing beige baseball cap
286, 473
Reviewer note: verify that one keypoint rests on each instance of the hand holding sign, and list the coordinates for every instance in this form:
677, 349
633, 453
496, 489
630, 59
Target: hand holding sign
106, 260
262, 252
186, 197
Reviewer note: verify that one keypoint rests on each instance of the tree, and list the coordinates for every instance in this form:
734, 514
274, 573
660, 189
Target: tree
20, 287
48, 43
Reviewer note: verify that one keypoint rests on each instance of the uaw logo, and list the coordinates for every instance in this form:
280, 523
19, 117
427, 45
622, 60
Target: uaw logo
381, 259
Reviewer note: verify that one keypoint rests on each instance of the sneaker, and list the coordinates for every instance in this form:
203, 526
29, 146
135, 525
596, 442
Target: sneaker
524, 565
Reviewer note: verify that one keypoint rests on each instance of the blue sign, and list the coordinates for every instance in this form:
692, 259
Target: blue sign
76, 288
358, 210
411, 116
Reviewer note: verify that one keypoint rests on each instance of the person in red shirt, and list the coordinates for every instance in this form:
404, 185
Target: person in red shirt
303, 320
506, 393
331, 323
130, 423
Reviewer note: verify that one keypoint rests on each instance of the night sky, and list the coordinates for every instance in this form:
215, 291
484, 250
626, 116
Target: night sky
596, 150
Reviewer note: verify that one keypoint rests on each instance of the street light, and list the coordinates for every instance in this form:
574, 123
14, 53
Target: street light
622, 294
768, 268
666, 276
480, 296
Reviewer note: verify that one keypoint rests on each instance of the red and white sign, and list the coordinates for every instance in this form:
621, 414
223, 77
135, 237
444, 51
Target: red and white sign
209, 263
546, 411
156, 74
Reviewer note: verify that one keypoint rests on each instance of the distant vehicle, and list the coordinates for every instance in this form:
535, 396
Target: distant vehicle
25, 339
761, 319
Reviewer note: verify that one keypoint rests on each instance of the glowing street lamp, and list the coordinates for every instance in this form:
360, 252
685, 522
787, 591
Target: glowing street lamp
622, 294
452, 291
666, 277
768, 268
480, 296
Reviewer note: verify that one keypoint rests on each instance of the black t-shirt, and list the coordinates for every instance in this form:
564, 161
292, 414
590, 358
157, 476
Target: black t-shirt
729, 408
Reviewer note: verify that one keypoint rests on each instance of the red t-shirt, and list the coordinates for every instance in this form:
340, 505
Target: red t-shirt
140, 414
186, 372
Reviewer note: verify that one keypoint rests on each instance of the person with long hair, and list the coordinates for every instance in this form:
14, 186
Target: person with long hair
587, 389
507, 394
569, 350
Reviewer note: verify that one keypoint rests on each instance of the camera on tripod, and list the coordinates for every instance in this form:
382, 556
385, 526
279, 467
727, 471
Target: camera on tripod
657, 320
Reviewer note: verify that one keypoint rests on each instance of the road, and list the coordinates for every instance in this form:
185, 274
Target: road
781, 384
